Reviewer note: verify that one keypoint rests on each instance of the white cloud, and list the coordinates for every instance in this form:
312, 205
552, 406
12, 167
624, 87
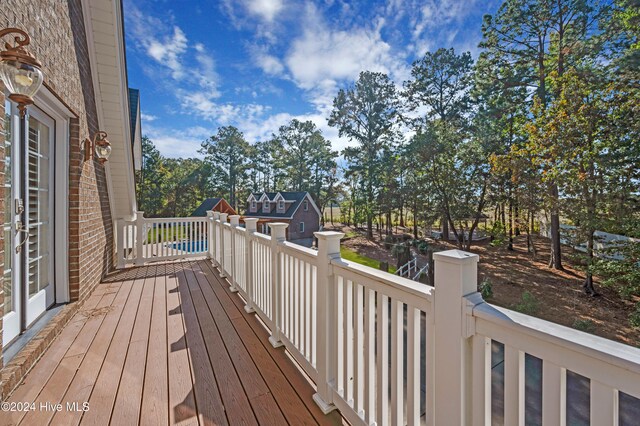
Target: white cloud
325, 54
269, 64
265, 9
169, 47
148, 117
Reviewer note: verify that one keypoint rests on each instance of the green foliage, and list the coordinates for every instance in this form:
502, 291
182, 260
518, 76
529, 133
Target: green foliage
498, 234
486, 289
528, 304
365, 113
585, 325
423, 247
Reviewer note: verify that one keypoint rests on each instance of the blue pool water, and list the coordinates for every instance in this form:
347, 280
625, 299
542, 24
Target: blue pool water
191, 246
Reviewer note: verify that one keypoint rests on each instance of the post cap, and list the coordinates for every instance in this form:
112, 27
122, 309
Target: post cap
234, 219
456, 256
210, 213
223, 216
329, 235
278, 225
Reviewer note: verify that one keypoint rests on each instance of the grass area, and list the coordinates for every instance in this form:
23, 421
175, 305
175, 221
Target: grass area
351, 255
167, 233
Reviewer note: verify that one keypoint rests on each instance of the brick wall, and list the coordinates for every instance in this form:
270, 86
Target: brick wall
311, 223
58, 40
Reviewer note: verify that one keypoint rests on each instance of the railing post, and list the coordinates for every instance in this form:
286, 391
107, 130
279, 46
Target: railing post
120, 243
235, 222
278, 235
251, 224
456, 276
210, 230
140, 237
223, 220
214, 240
328, 249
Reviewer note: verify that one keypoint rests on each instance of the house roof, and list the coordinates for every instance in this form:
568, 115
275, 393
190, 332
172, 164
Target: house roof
206, 205
292, 199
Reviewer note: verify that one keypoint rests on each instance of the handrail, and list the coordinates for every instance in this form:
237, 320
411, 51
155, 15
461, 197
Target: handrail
366, 337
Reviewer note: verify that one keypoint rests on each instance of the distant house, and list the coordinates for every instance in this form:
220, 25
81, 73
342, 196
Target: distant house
295, 208
215, 204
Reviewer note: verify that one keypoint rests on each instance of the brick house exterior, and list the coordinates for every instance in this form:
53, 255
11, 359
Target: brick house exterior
62, 39
295, 208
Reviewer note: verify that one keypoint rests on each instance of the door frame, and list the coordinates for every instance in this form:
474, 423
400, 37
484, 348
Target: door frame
51, 105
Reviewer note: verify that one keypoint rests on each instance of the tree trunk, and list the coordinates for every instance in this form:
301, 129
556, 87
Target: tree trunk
369, 226
517, 216
445, 227
415, 221
555, 262
510, 246
588, 282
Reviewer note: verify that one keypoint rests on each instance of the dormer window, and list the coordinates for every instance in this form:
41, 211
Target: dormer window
253, 205
306, 205
265, 206
281, 205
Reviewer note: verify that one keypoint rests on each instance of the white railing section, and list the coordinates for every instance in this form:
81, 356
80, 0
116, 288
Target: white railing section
409, 267
387, 350
152, 239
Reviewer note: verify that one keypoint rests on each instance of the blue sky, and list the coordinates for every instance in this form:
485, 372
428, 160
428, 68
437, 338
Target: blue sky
257, 64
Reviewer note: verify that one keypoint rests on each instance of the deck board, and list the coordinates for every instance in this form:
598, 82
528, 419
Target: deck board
167, 344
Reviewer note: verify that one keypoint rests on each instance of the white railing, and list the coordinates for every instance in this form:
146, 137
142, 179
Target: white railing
387, 350
406, 269
143, 240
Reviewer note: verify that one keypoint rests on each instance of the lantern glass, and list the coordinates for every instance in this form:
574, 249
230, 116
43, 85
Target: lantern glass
20, 78
103, 151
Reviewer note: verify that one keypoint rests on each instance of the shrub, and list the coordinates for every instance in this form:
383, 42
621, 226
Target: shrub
498, 234
586, 325
528, 304
423, 247
486, 289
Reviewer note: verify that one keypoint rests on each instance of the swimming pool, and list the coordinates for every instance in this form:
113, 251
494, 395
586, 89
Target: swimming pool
191, 246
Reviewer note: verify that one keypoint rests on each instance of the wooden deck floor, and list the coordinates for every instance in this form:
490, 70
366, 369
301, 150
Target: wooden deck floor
165, 344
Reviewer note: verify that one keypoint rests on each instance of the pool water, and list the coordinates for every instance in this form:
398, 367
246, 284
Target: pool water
191, 246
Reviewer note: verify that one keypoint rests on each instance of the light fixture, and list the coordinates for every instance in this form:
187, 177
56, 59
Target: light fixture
19, 69
100, 145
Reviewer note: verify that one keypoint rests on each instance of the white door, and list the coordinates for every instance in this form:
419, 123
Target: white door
28, 222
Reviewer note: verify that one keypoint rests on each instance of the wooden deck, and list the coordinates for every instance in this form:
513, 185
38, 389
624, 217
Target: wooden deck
165, 344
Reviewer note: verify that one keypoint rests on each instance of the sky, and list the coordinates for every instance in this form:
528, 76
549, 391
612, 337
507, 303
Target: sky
257, 64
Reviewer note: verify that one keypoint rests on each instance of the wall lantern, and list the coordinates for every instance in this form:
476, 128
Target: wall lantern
100, 145
19, 69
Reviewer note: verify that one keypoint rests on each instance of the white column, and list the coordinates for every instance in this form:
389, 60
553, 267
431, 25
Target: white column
251, 224
140, 238
235, 222
214, 241
120, 243
328, 249
210, 231
456, 276
278, 232
223, 266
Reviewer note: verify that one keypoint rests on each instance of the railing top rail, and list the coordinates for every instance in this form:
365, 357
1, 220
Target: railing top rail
261, 236
607, 351
171, 219
386, 279
298, 248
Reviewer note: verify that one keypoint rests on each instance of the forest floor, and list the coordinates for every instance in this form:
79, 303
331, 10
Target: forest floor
556, 296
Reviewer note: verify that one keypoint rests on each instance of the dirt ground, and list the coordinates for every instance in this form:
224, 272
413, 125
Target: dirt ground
558, 295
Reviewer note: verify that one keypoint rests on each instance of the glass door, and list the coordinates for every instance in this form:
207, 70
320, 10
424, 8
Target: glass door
28, 223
